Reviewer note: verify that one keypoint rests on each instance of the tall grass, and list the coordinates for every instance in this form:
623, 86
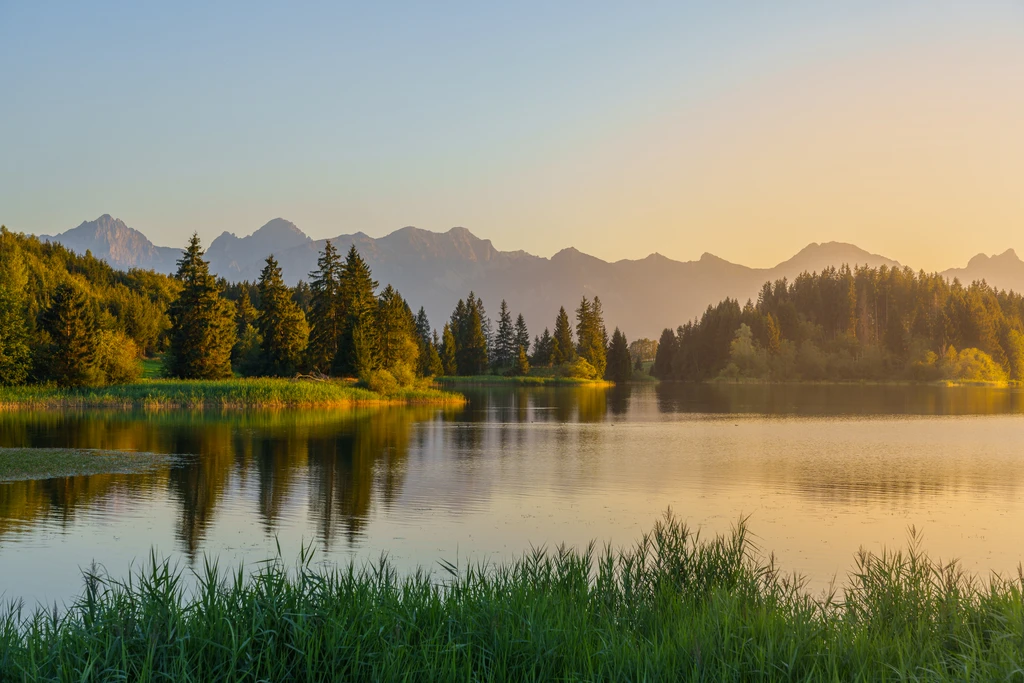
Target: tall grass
674, 607
526, 380
229, 393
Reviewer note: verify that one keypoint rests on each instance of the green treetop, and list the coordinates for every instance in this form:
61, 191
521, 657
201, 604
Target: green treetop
281, 324
326, 311
202, 322
562, 348
619, 368
70, 322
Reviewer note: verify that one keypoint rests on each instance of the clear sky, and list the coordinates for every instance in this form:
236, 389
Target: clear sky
743, 129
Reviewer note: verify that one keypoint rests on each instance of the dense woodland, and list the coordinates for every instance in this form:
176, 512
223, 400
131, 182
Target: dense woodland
845, 324
73, 320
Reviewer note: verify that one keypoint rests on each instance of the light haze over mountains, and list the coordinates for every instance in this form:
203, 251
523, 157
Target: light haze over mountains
435, 270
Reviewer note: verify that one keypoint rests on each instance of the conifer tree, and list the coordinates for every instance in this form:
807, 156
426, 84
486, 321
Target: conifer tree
203, 328
358, 344
70, 322
562, 348
245, 354
425, 344
505, 340
543, 347
281, 324
447, 352
423, 326
433, 365
619, 368
662, 368
15, 353
591, 336
472, 359
522, 335
397, 339
521, 368
326, 313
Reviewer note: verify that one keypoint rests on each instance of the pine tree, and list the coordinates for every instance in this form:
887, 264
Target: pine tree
522, 336
543, 347
203, 329
562, 348
70, 322
591, 336
485, 322
662, 368
358, 343
15, 352
281, 324
397, 339
449, 363
505, 340
521, 368
422, 326
326, 313
473, 355
433, 365
424, 367
619, 367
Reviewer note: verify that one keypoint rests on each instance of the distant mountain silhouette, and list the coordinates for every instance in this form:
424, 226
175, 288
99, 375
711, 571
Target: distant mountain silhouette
123, 247
434, 270
1005, 271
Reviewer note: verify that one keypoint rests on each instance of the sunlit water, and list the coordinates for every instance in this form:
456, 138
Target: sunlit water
819, 470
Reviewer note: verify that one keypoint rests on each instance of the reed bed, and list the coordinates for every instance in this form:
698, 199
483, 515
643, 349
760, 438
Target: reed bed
674, 607
527, 380
229, 393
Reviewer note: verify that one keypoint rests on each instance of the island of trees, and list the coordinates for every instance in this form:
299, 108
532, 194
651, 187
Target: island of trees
73, 321
854, 324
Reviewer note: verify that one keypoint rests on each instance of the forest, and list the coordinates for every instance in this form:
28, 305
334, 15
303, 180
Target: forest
853, 324
73, 321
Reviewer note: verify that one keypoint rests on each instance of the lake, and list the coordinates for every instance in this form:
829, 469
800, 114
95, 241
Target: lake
820, 471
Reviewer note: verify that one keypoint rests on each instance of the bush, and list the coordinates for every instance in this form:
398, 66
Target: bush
380, 382
578, 369
117, 358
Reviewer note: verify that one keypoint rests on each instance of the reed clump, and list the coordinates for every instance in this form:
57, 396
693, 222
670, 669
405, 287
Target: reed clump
228, 393
674, 607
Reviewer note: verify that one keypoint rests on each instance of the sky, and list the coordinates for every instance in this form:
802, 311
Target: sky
744, 129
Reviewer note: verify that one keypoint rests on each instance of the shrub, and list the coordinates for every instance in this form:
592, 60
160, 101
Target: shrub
117, 357
379, 381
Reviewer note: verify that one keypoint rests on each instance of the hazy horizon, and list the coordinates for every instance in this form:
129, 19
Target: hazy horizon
741, 130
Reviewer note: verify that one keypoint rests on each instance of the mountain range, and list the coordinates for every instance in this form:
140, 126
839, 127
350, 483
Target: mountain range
434, 270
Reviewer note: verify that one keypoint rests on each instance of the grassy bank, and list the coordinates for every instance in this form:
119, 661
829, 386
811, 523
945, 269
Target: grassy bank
19, 464
673, 608
527, 381
231, 393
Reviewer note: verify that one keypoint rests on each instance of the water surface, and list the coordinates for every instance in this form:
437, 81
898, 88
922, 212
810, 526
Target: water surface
819, 470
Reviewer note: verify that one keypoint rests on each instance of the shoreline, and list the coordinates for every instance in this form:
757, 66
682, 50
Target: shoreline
230, 394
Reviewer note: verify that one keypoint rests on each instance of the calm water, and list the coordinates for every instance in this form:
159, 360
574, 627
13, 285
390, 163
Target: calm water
819, 470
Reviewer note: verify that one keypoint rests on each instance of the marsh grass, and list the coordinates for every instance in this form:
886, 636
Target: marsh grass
229, 393
20, 464
527, 380
673, 607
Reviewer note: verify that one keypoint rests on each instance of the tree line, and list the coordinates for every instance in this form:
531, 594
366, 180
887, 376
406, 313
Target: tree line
75, 321
852, 324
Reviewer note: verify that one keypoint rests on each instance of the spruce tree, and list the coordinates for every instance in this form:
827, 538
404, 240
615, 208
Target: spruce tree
562, 348
398, 344
505, 340
358, 343
425, 344
522, 335
472, 358
203, 329
449, 361
422, 326
619, 368
326, 313
542, 349
15, 353
70, 322
281, 324
662, 368
433, 365
521, 368
592, 339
